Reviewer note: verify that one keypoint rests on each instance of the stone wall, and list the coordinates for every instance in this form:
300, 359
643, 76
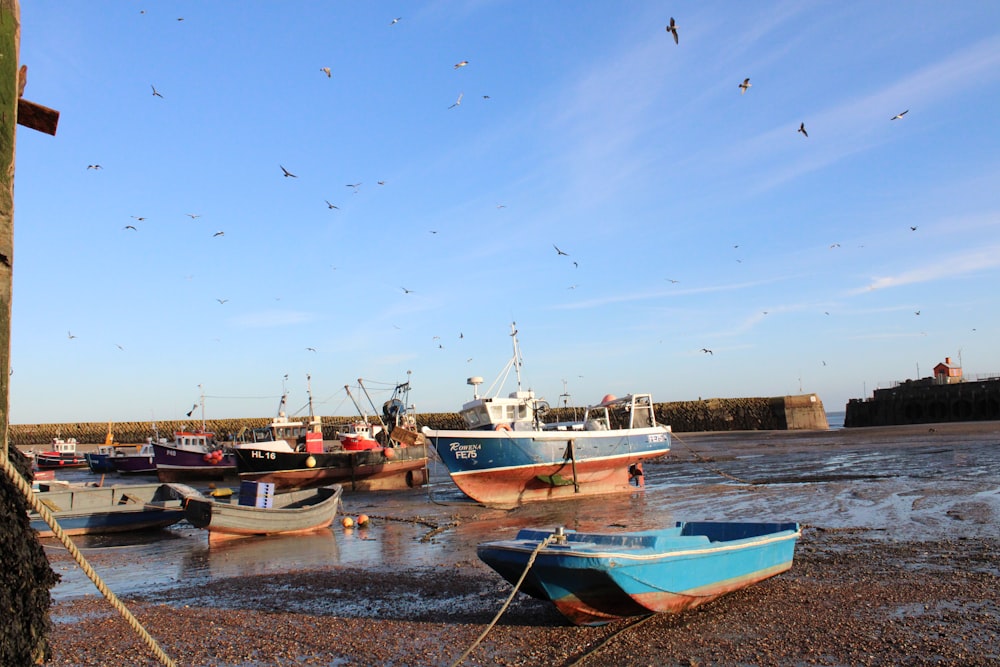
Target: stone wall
922, 403
715, 414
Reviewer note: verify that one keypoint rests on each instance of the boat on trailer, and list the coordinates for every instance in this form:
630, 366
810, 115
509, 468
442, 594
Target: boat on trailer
596, 578
508, 454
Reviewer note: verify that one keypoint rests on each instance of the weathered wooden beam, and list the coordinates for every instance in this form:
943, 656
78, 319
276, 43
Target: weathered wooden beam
10, 46
37, 117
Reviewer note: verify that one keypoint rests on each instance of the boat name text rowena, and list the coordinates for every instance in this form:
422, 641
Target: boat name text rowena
469, 451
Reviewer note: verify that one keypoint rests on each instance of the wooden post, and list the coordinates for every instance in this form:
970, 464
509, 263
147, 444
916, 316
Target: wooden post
10, 46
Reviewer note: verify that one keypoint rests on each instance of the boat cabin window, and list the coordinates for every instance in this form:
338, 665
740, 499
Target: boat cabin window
476, 416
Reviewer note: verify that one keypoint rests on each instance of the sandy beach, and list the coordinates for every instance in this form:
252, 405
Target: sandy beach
898, 564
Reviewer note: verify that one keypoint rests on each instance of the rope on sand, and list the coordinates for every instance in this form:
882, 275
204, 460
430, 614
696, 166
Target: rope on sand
701, 459
57, 530
607, 640
531, 561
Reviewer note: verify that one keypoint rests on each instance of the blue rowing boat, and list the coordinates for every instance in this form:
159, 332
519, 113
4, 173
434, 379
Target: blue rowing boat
596, 578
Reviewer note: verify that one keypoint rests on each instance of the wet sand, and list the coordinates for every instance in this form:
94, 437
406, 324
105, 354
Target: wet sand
899, 563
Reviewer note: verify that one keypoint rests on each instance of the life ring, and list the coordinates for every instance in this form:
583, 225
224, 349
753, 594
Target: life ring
502, 427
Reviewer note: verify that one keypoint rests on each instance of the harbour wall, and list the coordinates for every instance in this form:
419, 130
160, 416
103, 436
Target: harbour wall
918, 402
803, 412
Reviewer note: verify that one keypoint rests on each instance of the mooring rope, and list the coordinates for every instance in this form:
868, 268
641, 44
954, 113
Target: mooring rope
57, 530
531, 561
607, 640
702, 459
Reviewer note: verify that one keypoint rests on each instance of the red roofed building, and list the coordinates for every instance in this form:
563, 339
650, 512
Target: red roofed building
947, 372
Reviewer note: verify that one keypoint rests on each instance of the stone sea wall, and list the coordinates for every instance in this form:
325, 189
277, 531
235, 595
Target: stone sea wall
921, 403
716, 414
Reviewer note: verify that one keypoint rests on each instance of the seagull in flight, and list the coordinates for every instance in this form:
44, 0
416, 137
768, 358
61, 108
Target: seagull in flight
707, 351
218, 233
193, 216
132, 227
802, 129
329, 205
94, 166
900, 115
406, 291
913, 229
558, 251
287, 173
310, 349
672, 281
156, 93
326, 70
458, 102
222, 301
69, 334
396, 20
193, 408
135, 217
353, 185
461, 64
672, 29
745, 85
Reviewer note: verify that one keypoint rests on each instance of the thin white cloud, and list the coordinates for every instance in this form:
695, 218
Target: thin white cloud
973, 261
659, 294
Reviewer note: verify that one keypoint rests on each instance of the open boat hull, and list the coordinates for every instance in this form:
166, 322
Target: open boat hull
293, 513
596, 578
109, 509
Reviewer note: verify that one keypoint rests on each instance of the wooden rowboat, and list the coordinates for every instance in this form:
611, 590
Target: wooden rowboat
288, 514
596, 578
109, 509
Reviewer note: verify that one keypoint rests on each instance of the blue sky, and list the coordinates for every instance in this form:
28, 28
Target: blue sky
693, 217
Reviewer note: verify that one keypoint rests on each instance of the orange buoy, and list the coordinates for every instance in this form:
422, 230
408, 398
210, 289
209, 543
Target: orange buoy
608, 398
389, 453
348, 522
502, 427
362, 520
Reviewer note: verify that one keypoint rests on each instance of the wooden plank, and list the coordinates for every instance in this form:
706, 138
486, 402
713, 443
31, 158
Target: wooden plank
37, 117
10, 46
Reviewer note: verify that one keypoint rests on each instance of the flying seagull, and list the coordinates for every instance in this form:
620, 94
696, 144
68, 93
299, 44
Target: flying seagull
558, 251
707, 351
461, 64
132, 227
310, 349
458, 102
802, 129
135, 217
672, 29
326, 70
69, 334
287, 173
193, 216
913, 229
329, 205
353, 185
406, 291
396, 20
745, 85
222, 301
94, 166
900, 115
156, 93
193, 408
218, 233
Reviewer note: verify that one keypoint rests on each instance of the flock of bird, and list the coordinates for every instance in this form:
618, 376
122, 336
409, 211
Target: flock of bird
673, 31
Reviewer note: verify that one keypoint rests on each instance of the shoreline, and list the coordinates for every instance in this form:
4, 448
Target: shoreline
899, 563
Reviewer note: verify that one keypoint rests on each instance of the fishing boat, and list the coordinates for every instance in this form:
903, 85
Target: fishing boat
100, 461
260, 512
192, 455
62, 454
109, 509
507, 454
139, 460
297, 457
596, 578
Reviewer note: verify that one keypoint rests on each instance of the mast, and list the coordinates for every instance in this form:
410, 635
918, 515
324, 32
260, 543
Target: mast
517, 354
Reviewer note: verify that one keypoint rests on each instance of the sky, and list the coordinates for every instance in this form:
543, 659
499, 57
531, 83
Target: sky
454, 149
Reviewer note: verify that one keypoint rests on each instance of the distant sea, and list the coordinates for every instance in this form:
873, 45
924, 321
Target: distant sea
835, 419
